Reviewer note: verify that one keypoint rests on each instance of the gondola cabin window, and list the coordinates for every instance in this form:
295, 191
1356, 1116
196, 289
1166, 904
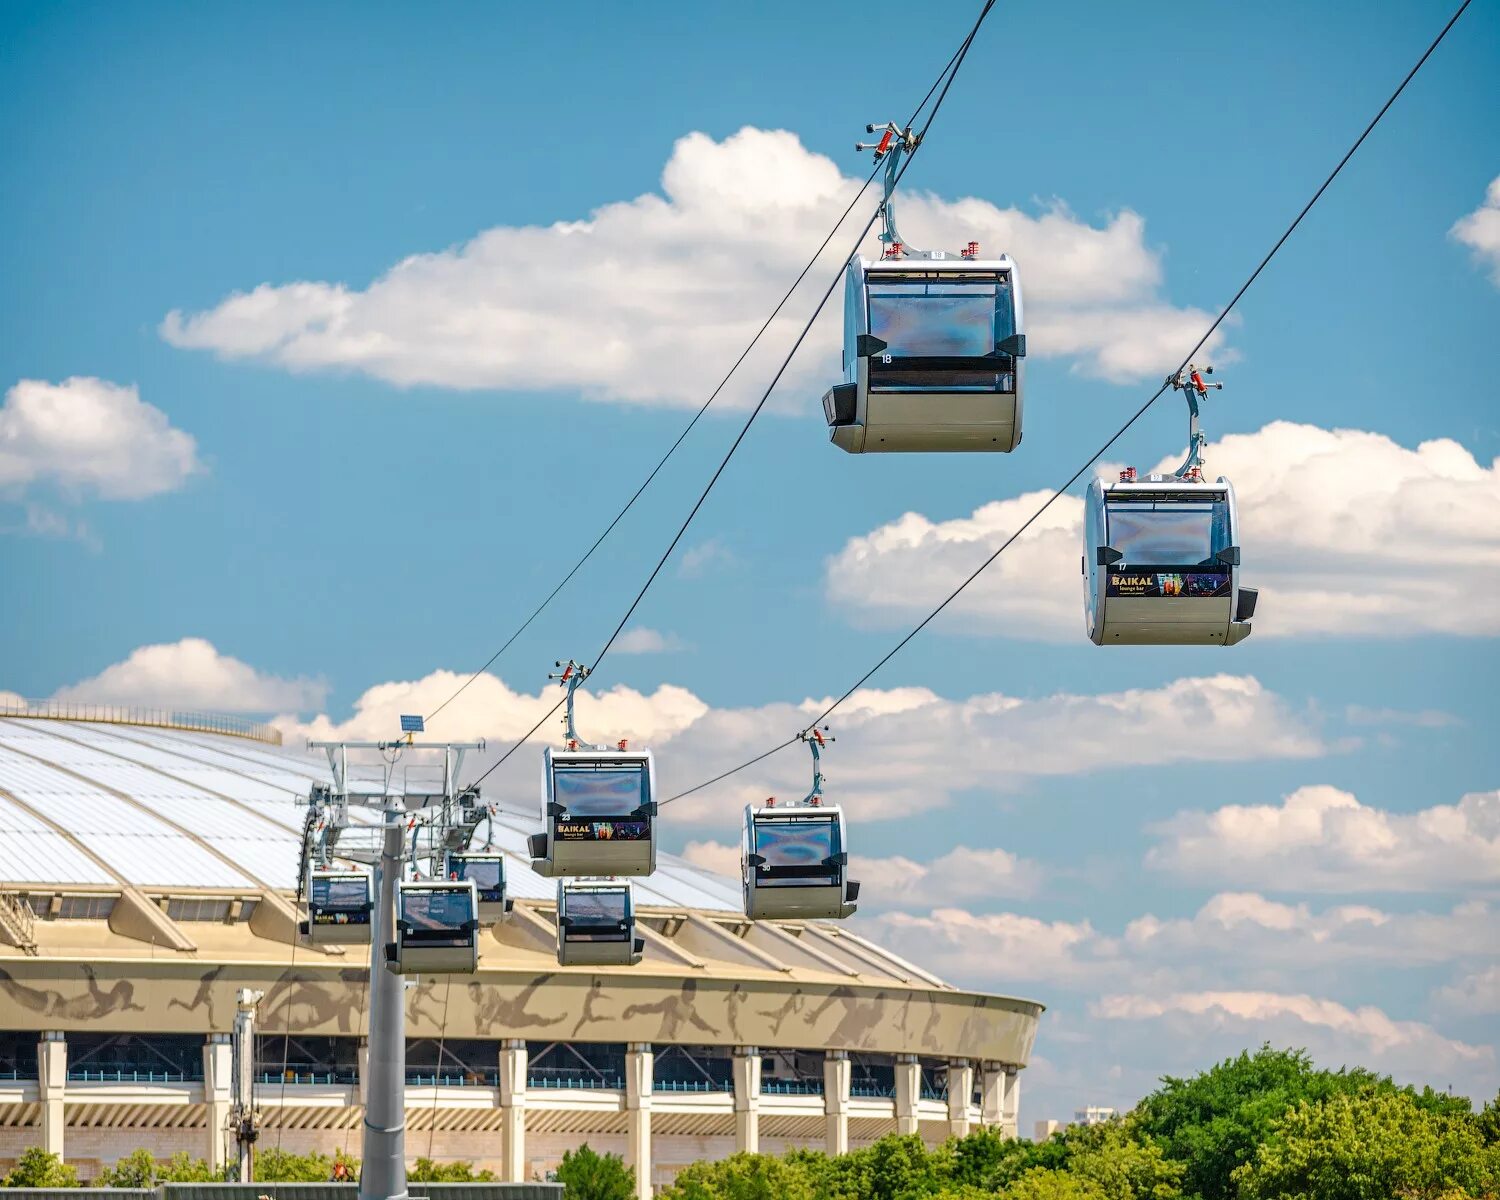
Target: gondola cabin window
797, 853
941, 330
1182, 533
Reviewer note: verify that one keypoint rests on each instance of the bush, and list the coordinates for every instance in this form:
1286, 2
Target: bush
38, 1168
282, 1166
140, 1169
588, 1175
427, 1171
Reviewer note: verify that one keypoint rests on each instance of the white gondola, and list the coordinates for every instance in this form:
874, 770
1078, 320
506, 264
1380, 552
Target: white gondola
794, 858
600, 810
1162, 554
932, 356
933, 344
596, 924
598, 805
794, 863
339, 908
486, 871
437, 929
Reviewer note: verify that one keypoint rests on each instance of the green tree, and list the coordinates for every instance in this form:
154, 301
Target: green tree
183, 1168
136, 1170
896, 1167
1374, 1146
38, 1168
282, 1166
1123, 1167
1048, 1183
461, 1172
140, 1169
424, 1170
745, 1177
1487, 1122
588, 1175
1214, 1122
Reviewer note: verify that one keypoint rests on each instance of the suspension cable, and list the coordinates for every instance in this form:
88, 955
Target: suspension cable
1114, 437
946, 79
688, 428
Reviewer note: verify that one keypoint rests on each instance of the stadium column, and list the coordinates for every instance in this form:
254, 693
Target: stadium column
513, 1068
218, 1095
52, 1088
1010, 1114
992, 1095
836, 1074
639, 1067
908, 1092
960, 1088
747, 1099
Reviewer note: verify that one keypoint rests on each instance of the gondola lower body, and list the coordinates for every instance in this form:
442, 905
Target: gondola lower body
576, 951
923, 421
1175, 620
831, 902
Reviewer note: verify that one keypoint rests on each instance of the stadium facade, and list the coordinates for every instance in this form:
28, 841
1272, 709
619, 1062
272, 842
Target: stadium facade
147, 883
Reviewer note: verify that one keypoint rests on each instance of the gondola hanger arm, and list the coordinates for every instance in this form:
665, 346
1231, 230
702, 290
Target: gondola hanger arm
571, 676
1194, 387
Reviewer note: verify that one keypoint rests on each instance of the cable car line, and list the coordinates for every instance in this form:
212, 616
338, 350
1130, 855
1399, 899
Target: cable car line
1120, 432
688, 428
951, 72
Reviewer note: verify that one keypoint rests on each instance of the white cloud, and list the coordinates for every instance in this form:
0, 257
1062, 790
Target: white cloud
718, 857
1427, 718
648, 300
963, 874
1323, 839
1480, 231
1247, 929
1333, 1032
90, 434
1345, 532
193, 674
894, 756
1001, 949
1477, 993
1234, 935
705, 557
641, 640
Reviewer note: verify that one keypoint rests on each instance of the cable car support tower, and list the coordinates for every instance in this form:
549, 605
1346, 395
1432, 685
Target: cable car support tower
419, 819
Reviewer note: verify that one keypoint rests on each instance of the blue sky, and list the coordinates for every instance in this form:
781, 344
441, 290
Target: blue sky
385, 501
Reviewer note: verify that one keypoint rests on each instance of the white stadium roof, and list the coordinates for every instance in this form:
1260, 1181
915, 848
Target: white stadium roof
94, 804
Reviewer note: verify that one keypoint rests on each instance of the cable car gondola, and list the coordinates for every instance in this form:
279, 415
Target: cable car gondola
599, 805
1162, 554
486, 871
437, 928
793, 858
596, 924
339, 908
933, 344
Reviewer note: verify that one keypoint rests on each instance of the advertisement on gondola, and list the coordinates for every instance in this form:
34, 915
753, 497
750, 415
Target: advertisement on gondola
339, 902
605, 829
1196, 585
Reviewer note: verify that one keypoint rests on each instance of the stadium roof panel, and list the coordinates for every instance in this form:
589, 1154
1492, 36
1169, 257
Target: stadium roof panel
132, 793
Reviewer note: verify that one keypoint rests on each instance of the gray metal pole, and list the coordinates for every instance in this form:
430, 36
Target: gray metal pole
382, 1174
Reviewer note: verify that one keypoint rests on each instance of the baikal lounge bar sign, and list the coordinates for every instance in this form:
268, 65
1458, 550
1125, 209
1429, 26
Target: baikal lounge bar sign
1196, 585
